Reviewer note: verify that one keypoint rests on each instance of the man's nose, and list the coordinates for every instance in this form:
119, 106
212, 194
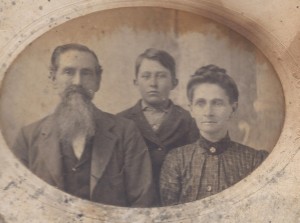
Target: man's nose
76, 80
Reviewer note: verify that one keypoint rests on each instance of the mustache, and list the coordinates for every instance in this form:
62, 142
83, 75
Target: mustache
77, 89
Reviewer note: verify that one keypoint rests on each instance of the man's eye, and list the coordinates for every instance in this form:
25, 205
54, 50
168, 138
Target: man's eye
86, 72
200, 103
68, 71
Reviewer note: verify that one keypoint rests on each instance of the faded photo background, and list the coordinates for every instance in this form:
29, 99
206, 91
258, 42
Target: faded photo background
118, 36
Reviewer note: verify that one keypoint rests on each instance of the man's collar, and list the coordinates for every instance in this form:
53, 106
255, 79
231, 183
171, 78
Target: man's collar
215, 148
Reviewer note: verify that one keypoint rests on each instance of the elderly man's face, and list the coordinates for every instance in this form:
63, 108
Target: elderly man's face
154, 82
77, 68
212, 110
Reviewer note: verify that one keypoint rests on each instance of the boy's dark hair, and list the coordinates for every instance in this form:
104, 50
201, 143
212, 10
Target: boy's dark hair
164, 58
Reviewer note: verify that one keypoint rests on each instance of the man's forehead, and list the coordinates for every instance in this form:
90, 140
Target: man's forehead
76, 57
74, 53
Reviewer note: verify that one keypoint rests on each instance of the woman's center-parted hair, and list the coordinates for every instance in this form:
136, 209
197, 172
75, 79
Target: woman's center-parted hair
71, 46
164, 58
213, 74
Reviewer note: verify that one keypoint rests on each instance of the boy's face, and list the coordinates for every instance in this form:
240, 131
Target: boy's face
154, 82
212, 110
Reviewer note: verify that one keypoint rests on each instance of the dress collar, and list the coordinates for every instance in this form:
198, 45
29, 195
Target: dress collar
215, 148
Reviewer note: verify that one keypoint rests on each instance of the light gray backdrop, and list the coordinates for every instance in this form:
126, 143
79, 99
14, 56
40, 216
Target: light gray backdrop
118, 36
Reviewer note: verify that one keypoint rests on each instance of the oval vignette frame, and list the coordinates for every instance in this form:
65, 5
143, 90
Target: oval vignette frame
54, 206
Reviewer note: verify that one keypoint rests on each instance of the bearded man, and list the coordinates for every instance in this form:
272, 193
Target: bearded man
82, 150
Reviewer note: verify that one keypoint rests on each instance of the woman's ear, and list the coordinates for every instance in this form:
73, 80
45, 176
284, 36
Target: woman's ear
191, 109
234, 106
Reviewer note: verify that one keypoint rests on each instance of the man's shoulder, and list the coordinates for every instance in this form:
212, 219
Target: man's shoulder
38, 125
127, 113
115, 120
33, 131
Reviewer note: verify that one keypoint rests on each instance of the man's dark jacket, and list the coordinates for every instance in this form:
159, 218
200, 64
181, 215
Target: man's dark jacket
121, 172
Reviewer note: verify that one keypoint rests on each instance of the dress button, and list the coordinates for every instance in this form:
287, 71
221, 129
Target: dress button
212, 149
209, 188
159, 149
74, 169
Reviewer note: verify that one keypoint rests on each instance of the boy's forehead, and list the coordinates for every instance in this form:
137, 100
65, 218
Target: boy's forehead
152, 65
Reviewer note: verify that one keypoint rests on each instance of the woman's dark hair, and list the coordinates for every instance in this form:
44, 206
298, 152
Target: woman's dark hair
214, 75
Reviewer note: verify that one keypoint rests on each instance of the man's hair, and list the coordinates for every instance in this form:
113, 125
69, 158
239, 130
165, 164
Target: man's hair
164, 58
214, 75
71, 46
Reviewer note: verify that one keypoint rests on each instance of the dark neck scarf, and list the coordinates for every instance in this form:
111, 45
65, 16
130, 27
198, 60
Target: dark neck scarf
215, 148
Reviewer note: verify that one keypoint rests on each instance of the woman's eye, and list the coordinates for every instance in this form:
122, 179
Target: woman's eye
218, 103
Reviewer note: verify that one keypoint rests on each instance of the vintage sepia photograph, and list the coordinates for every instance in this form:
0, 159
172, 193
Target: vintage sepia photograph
141, 107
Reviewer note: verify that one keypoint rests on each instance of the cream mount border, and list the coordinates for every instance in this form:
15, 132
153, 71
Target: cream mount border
25, 189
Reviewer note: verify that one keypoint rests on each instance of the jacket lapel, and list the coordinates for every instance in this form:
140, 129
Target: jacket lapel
51, 152
170, 123
103, 147
140, 120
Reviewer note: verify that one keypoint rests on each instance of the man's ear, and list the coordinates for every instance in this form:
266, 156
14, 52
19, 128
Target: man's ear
99, 78
174, 82
53, 79
51, 75
135, 82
